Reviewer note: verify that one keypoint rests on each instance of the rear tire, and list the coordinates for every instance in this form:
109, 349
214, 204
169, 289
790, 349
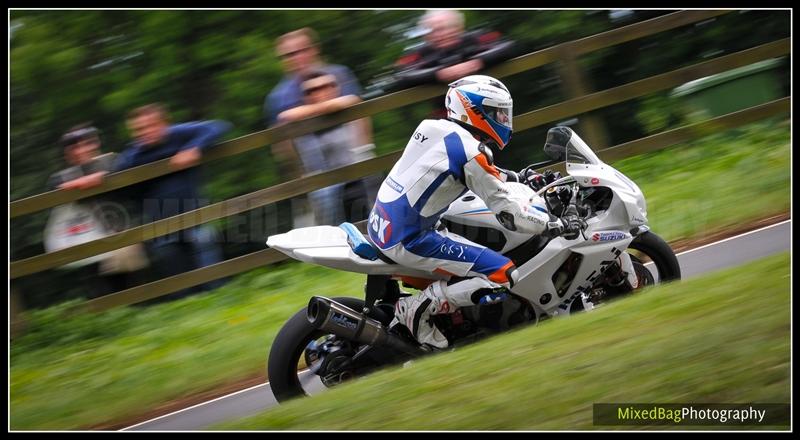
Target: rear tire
288, 347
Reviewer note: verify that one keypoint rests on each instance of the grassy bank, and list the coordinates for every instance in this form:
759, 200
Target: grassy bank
73, 372
721, 180
70, 372
704, 340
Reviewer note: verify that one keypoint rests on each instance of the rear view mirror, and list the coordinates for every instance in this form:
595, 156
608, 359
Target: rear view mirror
555, 146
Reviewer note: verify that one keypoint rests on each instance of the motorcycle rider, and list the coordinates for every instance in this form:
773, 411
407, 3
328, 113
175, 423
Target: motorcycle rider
442, 160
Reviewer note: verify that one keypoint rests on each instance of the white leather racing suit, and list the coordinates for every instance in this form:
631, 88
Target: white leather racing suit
441, 161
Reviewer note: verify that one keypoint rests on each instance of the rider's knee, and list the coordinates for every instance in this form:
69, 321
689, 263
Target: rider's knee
506, 276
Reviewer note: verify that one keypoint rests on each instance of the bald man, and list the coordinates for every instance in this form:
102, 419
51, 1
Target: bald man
449, 52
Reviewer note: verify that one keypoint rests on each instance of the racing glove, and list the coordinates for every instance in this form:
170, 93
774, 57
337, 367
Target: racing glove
573, 224
537, 181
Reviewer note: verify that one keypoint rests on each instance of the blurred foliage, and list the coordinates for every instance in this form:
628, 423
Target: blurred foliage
69, 371
71, 66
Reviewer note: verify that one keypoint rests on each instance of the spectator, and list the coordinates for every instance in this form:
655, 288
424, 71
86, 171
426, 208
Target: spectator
92, 218
301, 62
448, 53
332, 148
174, 193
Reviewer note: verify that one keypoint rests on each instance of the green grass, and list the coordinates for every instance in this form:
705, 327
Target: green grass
721, 338
73, 372
718, 181
70, 372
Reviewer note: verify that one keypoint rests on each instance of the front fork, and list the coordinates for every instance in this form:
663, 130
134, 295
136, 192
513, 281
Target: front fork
627, 273
622, 278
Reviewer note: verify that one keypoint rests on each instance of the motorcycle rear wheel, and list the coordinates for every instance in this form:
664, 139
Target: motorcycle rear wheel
284, 369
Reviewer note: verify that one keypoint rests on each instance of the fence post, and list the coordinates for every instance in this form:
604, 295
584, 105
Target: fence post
575, 85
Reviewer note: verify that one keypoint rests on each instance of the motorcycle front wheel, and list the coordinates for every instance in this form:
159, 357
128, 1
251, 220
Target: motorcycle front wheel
651, 252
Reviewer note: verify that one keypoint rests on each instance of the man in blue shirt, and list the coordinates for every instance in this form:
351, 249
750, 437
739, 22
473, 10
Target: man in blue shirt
174, 193
289, 102
300, 57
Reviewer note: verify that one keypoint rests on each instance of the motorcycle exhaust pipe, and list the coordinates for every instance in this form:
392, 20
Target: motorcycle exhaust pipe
330, 316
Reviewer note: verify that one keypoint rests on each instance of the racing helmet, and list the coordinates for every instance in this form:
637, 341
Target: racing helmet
484, 103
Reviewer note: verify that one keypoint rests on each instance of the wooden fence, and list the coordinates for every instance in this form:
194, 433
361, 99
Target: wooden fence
580, 101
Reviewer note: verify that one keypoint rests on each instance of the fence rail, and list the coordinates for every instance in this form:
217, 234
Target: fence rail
571, 107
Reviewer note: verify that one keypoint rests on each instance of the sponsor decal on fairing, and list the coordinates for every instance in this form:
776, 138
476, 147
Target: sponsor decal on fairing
608, 236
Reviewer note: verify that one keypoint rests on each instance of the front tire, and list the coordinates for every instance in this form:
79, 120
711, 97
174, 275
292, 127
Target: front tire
659, 252
288, 347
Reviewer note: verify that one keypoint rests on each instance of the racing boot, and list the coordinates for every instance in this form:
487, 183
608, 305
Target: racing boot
414, 312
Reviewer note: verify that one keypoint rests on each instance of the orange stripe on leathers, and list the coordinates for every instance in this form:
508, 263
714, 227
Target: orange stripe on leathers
481, 159
499, 276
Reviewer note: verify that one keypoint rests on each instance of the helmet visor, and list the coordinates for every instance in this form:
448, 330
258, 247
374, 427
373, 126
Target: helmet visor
501, 115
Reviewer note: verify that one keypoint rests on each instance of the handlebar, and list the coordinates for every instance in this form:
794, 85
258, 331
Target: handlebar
562, 181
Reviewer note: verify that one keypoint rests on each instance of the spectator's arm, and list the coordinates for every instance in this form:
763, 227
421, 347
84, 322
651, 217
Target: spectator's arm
195, 138
311, 110
484, 50
349, 88
97, 169
200, 134
85, 182
460, 70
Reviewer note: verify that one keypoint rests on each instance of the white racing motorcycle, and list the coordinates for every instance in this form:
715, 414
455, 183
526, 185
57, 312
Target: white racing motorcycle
344, 337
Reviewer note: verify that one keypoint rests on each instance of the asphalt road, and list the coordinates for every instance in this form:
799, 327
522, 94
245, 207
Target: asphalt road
729, 252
